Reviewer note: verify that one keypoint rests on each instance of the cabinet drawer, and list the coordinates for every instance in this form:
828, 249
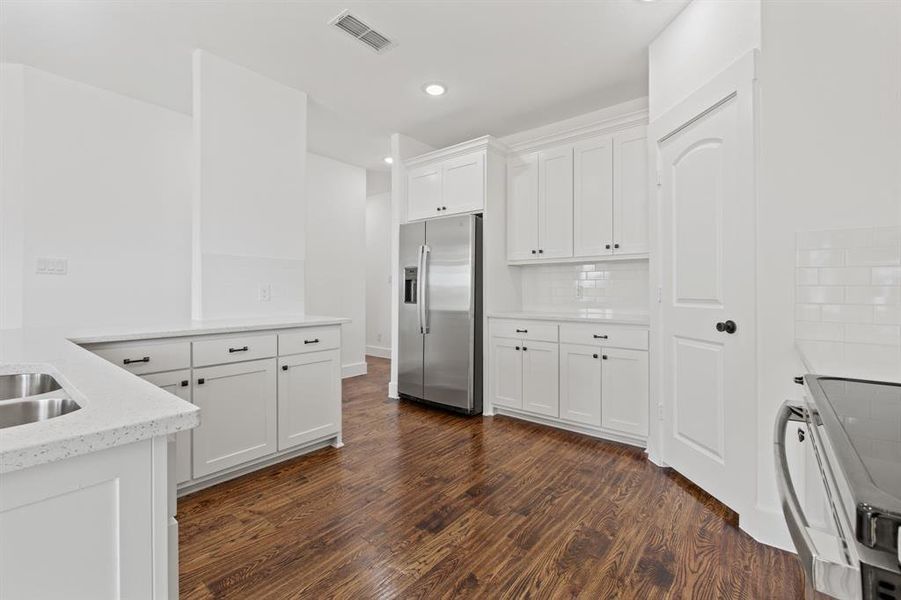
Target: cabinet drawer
310, 339
605, 335
527, 330
234, 349
147, 357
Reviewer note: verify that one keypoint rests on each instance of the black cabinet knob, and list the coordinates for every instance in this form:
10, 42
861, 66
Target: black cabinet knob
616, 245
524, 348
201, 381
607, 246
184, 383
517, 348
540, 251
604, 356
284, 367
443, 208
534, 252
594, 356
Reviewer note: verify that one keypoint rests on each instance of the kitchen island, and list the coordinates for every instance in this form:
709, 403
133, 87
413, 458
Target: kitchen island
92, 492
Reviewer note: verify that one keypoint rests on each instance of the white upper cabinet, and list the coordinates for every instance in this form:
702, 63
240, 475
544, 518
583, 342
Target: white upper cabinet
464, 184
593, 197
555, 203
424, 192
630, 191
522, 207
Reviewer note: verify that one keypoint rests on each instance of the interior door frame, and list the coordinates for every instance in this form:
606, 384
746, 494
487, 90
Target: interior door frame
738, 80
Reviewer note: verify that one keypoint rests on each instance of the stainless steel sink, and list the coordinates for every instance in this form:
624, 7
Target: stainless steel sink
29, 397
22, 385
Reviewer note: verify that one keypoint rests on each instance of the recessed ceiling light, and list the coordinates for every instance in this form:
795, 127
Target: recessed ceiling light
434, 89
389, 160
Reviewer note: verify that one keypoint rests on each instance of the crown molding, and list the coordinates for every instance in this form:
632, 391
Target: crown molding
611, 125
488, 143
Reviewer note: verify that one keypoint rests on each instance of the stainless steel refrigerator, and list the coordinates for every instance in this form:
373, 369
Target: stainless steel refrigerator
440, 344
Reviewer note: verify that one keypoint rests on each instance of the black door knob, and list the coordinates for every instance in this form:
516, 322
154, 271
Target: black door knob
727, 326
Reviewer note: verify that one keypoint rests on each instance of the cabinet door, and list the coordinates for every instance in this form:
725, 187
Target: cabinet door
309, 397
506, 372
593, 197
624, 391
423, 192
555, 203
630, 192
522, 207
580, 384
179, 384
540, 377
238, 414
464, 184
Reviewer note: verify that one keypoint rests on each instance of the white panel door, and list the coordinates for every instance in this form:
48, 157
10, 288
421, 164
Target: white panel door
630, 192
593, 197
237, 414
506, 372
179, 384
580, 384
522, 207
464, 184
625, 391
555, 202
705, 153
540, 378
309, 397
424, 192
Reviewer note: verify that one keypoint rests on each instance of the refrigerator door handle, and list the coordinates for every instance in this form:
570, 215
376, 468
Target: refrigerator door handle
424, 289
419, 287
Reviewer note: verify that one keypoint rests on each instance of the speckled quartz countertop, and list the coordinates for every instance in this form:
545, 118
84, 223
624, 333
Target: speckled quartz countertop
594, 317
117, 407
855, 361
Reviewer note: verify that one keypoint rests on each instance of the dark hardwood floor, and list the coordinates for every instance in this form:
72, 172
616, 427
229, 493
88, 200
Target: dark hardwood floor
426, 504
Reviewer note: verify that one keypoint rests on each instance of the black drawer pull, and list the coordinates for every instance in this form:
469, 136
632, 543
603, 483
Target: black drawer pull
130, 361
315, 341
522, 331
600, 337
242, 349
201, 381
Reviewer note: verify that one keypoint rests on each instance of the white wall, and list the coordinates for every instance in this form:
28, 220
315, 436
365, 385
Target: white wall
704, 39
335, 250
378, 182
104, 181
378, 274
830, 158
250, 140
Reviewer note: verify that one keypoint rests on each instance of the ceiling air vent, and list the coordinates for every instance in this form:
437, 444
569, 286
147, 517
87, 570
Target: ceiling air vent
362, 32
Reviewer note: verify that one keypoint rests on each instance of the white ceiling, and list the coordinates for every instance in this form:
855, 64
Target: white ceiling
509, 65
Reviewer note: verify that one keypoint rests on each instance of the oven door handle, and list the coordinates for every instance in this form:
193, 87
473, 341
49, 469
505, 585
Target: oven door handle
840, 580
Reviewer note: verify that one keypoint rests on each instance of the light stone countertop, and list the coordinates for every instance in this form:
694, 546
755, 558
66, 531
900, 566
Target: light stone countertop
855, 361
117, 407
593, 317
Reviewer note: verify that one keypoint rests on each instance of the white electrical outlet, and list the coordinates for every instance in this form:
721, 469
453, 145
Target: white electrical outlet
378, 337
52, 266
265, 292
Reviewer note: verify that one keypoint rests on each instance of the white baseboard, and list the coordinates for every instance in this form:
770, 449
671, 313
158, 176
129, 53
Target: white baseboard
353, 370
767, 527
378, 351
392, 390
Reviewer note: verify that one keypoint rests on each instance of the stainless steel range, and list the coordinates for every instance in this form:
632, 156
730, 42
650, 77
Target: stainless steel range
855, 429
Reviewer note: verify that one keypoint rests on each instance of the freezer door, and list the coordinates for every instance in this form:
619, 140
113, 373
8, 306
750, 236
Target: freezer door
450, 279
409, 342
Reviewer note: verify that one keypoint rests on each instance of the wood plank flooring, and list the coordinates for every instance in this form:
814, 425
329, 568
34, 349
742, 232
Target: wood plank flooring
426, 504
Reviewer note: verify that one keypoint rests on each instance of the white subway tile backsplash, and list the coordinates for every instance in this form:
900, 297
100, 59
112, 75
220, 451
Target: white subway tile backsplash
821, 258
847, 313
844, 276
576, 287
812, 294
849, 290
873, 295
886, 255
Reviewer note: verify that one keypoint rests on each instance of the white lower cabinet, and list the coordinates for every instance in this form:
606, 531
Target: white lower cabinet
506, 372
580, 384
237, 414
309, 397
179, 384
540, 376
601, 389
624, 405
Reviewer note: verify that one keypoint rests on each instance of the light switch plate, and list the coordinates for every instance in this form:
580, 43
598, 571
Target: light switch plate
52, 266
